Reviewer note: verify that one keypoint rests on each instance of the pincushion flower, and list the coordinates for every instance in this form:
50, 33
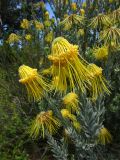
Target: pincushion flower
44, 121
38, 25
116, 15
101, 53
111, 35
72, 19
34, 83
71, 102
84, 4
66, 114
82, 12
25, 24
39, 5
80, 32
99, 84
49, 37
47, 23
74, 6
104, 136
46, 15
28, 37
13, 38
68, 66
100, 20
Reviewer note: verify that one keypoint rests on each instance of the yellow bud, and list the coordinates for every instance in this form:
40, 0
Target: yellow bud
74, 6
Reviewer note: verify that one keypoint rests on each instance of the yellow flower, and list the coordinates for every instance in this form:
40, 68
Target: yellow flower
44, 121
39, 5
77, 125
13, 38
111, 1
33, 82
28, 37
99, 84
104, 136
101, 53
72, 19
47, 23
46, 15
110, 35
71, 101
115, 15
80, 32
82, 11
25, 24
74, 6
67, 66
66, 114
49, 37
38, 25
100, 20
84, 5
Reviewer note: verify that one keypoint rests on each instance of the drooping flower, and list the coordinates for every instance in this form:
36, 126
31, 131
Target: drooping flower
100, 20
25, 24
71, 102
44, 121
28, 37
74, 6
34, 83
99, 84
116, 15
104, 136
71, 20
68, 66
110, 35
49, 37
101, 53
66, 114
38, 25
13, 38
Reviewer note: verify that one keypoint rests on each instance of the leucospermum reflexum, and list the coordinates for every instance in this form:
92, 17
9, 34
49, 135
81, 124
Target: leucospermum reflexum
44, 121
71, 102
34, 83
101, 53
67, 66
104, 136
99, 84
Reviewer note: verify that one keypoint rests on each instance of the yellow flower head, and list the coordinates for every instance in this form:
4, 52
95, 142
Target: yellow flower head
115, 15
38, 25
44, 121
33, 82
101, 53
82, 12
71, 101
84, 5
80, 32
77, 125
111, 1
47, 23
13, 38
28, 37
39, 5
74, 6
49, 37
25, 24
46, 15
110, 35
66, 114
104, 136
100, 20
67, 65
99, 84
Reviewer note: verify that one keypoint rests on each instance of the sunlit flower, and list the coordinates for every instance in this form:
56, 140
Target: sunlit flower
13, 38
44, 121
116, 15
111, 1
72, 19
38, 25
66, 114
49, 37
104, 136
71, 101
47, 23
99, 84
25, 24
82, 12
33, 82
84, 5
80, 32
100, 20
68, 65
46, 15
76, 125
74, 6
111, 35
28, 37
39, 5
101, 53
